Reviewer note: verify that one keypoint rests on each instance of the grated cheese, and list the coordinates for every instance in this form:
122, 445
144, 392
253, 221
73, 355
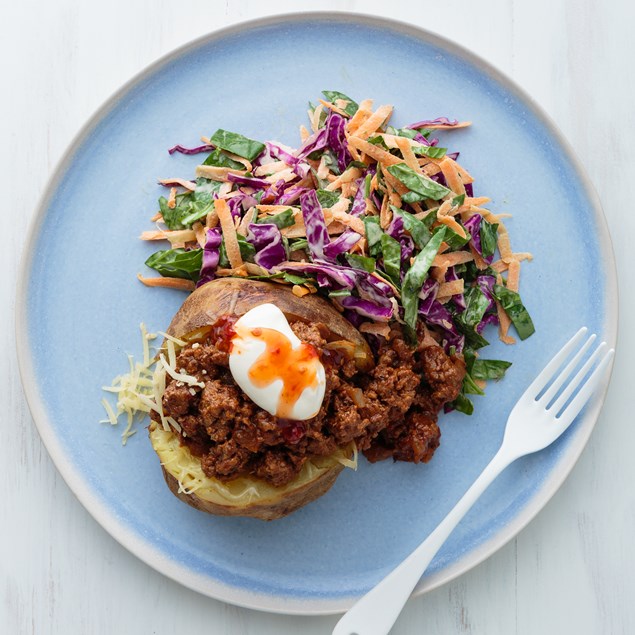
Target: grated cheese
140, 391
112, 417
182, 376
171, 353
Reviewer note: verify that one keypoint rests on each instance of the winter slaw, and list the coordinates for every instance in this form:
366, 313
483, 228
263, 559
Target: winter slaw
382, 221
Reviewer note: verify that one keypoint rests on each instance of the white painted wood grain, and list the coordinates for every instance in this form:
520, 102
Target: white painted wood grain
570, 571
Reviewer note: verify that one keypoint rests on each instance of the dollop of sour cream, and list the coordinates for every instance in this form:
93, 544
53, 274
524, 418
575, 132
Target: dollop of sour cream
275, 369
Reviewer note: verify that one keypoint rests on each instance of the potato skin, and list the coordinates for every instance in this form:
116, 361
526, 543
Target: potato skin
236, 296
271, 510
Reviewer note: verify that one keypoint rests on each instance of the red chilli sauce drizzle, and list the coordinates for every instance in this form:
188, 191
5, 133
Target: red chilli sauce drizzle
295, 367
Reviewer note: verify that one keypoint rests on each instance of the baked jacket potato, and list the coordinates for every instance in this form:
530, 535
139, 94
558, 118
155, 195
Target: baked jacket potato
247, 495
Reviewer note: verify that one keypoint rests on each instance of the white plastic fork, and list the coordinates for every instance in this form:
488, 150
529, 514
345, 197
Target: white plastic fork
535, 422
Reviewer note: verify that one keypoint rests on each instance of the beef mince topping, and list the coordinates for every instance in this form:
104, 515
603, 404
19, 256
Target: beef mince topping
390, 411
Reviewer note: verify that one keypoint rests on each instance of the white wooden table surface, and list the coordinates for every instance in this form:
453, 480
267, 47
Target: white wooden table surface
570, 571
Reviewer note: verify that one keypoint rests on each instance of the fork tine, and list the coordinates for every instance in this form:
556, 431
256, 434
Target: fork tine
579, 401
566, 372
577, 380
543, 378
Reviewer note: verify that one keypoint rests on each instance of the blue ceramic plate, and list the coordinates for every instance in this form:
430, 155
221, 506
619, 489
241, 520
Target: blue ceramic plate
80, 305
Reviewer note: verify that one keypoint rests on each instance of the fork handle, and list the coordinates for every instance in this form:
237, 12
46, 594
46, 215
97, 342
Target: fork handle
376, 612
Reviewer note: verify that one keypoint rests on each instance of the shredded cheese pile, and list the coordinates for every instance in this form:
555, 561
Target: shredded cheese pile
140, 391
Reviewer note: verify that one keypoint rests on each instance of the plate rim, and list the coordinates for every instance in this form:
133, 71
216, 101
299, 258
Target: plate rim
152, 556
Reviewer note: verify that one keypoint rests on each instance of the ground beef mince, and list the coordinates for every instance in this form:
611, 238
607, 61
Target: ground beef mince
390, 411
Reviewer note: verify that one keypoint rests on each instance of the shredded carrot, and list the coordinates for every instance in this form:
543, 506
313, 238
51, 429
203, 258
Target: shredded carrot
188, 185
354, 222
453, 225
348, 189
299, 290
349, 175
371, 210
393, 197
298, 230
216, 173
304, 134
341, 207
247, 219
374, 151
286, 175
201, 234
360, 246
473, 202
274, 209
451, 288
355, 153
239, 159
487, 215
504, 246
478, 259
364, 111
385, 214
255, 270
445, 209
429, 167
409, 156
377, 119
314, 117
170, 283
229, 233
395, 183
172, 198
513, 276
323, 168
211, 220
451, 174
334, 108
174, 236
504, 324
439, 273
451, 259
234, 271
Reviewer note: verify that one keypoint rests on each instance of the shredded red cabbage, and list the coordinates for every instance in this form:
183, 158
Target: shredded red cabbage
336, 133
250, 181
472, 226
204, 148
317, 141
291, 195
317, 234
365, 308
211, 255
343, 277
358, 207
439, 121
341, 244
267, 240
280, 153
